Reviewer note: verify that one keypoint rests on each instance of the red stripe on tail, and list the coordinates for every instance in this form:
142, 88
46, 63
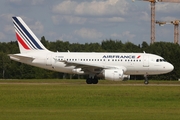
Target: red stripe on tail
22, 42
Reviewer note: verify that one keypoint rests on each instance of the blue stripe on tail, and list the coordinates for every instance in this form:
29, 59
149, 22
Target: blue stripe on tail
27, 33
24, 36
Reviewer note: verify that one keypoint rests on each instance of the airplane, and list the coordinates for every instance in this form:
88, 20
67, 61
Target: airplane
109, 66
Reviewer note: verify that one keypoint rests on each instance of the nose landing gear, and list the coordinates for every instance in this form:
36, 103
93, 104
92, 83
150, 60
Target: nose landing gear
146, 81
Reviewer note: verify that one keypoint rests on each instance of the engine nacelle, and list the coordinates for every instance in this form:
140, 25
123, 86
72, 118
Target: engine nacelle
113, 74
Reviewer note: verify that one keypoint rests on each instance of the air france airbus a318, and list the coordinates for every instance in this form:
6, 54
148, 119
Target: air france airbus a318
110, 66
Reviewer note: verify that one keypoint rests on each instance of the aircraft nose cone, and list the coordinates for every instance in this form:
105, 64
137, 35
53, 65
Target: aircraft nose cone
170, 67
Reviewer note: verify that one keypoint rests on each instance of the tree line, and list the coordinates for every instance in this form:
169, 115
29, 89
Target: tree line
14, 70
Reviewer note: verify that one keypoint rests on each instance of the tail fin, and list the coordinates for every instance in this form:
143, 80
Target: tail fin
27, 40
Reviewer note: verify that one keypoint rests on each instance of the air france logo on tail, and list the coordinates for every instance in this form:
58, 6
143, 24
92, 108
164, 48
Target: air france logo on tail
25, 36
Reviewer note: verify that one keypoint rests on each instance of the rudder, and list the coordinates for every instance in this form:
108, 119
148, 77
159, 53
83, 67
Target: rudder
27, 40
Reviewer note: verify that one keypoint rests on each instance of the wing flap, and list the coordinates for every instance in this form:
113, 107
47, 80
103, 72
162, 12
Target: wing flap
91, 67
83, 65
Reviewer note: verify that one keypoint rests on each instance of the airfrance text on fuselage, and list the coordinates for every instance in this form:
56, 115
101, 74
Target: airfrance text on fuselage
120, 56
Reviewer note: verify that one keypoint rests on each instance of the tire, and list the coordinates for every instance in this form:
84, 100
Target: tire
146, 82
89, 81
95, 81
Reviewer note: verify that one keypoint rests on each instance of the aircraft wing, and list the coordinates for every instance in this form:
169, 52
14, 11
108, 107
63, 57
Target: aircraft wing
18, 57
89, 67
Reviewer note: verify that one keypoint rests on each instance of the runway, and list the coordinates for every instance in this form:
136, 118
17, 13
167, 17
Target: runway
84, 84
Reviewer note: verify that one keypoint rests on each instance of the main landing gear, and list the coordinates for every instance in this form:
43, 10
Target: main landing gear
146, 81
92, 80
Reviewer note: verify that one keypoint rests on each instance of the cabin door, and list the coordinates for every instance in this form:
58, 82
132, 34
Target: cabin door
49, 60
146, 61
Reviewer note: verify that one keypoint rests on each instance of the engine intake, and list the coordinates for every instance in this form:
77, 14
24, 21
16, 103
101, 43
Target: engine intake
113, 74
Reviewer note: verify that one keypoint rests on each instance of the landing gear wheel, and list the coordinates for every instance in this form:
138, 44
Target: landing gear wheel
92, 80
89, 81
146, 82
95, 81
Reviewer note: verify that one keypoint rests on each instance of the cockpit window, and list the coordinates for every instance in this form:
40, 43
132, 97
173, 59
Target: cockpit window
160, 60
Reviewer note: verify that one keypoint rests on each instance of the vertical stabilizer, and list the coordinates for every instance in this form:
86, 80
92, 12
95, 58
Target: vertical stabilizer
27, 40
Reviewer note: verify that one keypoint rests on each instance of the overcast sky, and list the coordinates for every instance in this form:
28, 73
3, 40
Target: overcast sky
88, 21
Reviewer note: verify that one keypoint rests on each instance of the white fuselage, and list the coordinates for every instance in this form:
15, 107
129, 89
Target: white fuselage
133, 63
111, 66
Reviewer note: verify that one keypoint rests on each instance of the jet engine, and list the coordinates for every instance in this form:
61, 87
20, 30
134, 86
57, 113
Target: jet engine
113, 74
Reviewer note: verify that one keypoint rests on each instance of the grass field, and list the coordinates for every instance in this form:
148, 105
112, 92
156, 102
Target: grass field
74, 100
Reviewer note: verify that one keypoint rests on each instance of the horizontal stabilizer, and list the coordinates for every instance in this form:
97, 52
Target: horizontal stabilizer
18, 57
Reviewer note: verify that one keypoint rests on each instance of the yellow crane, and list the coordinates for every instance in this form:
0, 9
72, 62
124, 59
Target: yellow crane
153, 2
176, 28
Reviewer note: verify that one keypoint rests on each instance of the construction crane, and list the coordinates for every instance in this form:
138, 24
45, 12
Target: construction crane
176, 28
153, 2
